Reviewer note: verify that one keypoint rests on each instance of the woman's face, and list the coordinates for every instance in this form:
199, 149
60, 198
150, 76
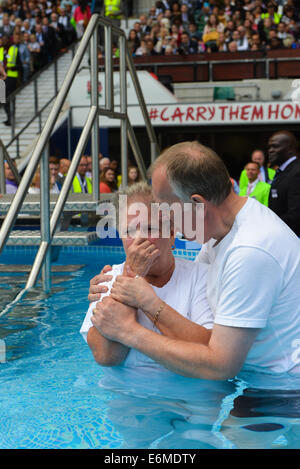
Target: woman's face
110, 175
132, 174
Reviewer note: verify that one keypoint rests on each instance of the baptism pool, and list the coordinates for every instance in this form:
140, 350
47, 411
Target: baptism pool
54, 396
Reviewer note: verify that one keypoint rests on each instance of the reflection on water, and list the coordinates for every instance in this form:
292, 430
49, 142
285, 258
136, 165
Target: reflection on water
23, 316
166, 411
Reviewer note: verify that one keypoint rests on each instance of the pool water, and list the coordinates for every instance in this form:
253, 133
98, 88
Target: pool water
54, 395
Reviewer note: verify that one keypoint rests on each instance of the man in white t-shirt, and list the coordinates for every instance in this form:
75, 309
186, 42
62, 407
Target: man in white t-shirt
253, 280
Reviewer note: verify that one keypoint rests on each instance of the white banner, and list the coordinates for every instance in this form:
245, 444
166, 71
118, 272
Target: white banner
165, 110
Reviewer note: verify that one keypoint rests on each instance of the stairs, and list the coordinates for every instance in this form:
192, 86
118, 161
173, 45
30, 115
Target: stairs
76, 204
25, 108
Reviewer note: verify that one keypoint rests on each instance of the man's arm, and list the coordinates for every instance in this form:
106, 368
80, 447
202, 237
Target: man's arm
105, 351
138, 293
221, 359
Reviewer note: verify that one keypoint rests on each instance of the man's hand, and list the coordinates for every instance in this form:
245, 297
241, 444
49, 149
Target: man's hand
140, 256
134, 292
96, 290
112, 319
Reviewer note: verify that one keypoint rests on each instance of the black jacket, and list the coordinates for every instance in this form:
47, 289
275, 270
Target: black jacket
284, 198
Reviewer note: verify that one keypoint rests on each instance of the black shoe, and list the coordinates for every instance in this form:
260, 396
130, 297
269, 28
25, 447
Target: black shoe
7, 122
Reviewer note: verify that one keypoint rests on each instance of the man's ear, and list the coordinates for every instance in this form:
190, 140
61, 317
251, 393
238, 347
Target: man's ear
198, 199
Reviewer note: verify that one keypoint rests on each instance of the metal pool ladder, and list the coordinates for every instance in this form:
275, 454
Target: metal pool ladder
45, 204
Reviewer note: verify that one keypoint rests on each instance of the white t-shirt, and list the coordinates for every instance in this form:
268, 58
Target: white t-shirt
185, 292
254, 281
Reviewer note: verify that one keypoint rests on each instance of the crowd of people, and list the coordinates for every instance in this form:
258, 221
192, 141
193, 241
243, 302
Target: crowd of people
258, 180
183, 27
109, 176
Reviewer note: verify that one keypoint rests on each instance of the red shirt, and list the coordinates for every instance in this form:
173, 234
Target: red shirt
104, 188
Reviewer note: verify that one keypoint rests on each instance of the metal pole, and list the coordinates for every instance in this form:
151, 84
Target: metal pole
46, 132
95, 103
136, 151
123, 109
137, 87
45, 219
69, 127
55, 76
109, 76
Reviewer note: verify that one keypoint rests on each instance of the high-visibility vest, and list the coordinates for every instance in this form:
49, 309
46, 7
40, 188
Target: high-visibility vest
111, 7
276, 18
261, 192
243, 182
2, 54
12, 61
77, 187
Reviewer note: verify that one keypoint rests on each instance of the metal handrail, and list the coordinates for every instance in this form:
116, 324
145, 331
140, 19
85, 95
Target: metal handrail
40, 152
37, 113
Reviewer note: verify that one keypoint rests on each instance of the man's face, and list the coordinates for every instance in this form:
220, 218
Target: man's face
64, 165
252, 171
184, 39
82, 167
258, 157
278, 149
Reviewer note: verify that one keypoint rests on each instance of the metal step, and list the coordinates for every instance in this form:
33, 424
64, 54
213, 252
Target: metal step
76, 203
62, 238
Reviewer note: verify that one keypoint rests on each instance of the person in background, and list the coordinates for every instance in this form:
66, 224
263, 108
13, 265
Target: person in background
35, 53
64, 165
82, 183
266, 174
69, 33
257, 189
35, 187
104, 162
88, 172
25, 59
108, 181
11, 185
13, 71
284, 197
81, 15
133, 175
55, 185
113, 10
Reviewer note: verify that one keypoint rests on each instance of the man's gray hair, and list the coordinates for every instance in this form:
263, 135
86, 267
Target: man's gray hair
193, 168
139, 189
